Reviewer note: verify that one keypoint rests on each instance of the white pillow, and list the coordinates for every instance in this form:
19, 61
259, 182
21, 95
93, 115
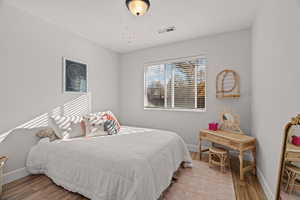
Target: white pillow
56, 128
75, 130
67, 127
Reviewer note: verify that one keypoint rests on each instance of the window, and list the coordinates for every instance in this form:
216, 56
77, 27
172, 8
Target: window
176, 85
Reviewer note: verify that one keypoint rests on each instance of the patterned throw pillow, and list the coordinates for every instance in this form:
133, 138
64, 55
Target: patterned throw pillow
94, 126
110, 123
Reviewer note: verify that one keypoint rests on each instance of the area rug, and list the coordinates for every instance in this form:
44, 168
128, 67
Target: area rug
201, 183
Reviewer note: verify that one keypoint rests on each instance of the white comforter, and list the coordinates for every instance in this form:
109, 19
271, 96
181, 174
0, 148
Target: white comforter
137, 164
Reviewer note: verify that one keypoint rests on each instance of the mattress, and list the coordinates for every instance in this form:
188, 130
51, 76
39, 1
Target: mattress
137, 164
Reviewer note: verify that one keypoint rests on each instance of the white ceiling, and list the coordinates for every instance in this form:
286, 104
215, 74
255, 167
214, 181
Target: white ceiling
109, 23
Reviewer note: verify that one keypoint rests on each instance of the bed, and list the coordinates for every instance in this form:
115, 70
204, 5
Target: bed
136, 164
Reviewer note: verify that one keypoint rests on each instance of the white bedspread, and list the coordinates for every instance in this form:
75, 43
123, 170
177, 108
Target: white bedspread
138, 164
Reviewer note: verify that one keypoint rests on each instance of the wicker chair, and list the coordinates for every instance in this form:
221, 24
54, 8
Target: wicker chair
293, 174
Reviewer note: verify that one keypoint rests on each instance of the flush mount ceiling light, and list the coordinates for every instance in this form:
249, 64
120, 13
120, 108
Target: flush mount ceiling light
138, 7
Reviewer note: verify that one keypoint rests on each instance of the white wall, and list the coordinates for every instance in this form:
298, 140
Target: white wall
229, 50
31, 53
275, 78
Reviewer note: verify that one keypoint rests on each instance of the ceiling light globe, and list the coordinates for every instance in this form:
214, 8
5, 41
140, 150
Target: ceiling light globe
138, 7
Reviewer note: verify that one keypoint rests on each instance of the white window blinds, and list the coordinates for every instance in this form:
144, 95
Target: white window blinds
176, 85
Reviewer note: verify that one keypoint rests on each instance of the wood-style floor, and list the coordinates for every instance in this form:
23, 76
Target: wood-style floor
40, 187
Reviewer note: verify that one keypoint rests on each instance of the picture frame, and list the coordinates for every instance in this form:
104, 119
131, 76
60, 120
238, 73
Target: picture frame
75, 76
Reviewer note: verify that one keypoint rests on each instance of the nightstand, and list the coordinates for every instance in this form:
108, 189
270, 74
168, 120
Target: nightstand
3, 159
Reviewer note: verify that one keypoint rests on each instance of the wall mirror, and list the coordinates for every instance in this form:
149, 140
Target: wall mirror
230, 122
228, 84
288, 186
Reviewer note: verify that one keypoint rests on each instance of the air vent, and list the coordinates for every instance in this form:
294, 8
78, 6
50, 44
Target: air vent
167, 30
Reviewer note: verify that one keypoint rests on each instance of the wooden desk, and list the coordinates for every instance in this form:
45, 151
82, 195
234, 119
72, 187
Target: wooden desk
238, 142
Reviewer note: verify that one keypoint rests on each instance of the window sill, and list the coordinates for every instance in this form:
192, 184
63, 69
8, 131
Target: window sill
175, 110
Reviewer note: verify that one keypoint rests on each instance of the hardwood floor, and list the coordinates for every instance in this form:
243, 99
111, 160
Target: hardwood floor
40, 187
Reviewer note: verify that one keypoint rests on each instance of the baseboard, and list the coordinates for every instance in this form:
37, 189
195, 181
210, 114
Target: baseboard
15, 175
264, 185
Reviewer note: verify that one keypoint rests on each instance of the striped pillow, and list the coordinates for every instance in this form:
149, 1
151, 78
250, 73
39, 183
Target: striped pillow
110, 116
111, 127
67, 127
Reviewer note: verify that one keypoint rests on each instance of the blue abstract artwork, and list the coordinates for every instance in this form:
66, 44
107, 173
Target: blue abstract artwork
75, 76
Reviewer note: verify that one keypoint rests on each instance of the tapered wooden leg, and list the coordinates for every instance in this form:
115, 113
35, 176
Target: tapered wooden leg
229, 163
241, 166
254, 160
223, 163
209, 159
200, 149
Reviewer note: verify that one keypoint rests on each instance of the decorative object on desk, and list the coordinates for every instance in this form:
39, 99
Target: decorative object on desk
3, 159
230, 122
75, 76
296, 140
228, 84
213, 126
288, 185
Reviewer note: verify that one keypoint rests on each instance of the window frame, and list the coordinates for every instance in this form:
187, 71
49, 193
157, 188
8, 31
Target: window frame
171, 61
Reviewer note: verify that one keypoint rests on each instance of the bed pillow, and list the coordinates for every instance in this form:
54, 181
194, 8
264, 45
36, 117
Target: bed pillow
68, 127
112, 125
106, 115
94, 126
47, 133
76, 129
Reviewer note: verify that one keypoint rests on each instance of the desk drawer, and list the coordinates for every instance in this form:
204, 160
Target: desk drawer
220, 140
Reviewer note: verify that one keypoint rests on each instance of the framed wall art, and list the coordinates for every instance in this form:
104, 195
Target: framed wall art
75, 76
